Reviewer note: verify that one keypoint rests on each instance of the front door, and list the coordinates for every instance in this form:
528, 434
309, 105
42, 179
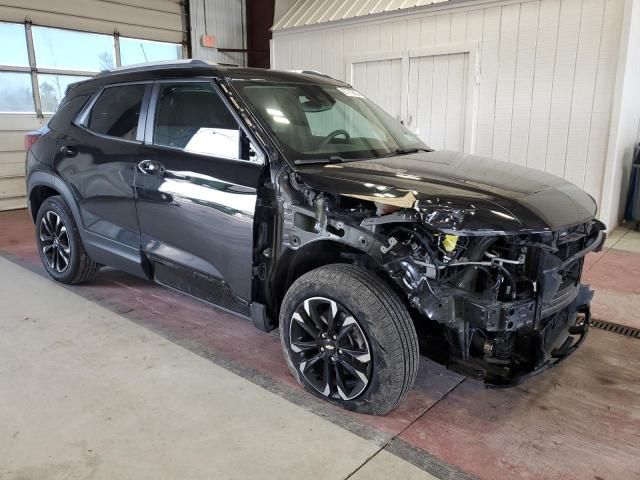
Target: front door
196, 184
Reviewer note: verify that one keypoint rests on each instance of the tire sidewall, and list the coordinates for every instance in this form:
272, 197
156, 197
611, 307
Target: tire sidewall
373, 399
57, 205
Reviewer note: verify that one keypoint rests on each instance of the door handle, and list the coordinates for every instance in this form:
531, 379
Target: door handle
151, 167
68, 151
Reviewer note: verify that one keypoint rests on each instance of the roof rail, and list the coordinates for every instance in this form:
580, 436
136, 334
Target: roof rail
187, 62
316, 73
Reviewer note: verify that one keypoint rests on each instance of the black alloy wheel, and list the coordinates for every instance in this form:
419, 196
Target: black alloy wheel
54, 242
349, 339
330, 349
59, 243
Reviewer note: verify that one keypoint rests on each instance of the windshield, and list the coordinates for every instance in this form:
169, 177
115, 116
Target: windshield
325, 121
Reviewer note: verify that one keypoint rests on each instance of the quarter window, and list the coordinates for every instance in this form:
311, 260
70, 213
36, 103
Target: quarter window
193, 117
117, 112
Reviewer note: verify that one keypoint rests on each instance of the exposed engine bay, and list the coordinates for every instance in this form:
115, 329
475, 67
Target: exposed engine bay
495, 305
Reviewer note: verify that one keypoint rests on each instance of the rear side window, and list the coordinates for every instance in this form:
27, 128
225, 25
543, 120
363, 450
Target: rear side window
117, 112
193, 117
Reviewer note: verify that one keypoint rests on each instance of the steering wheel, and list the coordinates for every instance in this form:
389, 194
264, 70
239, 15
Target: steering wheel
333, 135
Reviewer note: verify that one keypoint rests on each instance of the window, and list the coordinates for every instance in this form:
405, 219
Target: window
193, 117
117, 112
53, 88
56, 58
14, 45
16, 95
70, 50
320, 121
140, 51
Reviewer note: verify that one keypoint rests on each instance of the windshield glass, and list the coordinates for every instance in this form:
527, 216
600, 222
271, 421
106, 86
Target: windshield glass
324, 121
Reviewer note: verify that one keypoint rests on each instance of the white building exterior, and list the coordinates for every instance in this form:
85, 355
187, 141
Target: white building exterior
549, 84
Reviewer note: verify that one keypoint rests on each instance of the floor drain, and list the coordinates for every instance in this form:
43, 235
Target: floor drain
616, 328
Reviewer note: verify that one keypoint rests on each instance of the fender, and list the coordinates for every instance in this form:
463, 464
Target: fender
100, 249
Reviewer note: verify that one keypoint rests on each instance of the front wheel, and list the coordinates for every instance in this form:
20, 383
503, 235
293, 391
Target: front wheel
348, 338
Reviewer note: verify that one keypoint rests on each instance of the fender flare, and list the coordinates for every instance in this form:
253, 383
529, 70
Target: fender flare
50, 180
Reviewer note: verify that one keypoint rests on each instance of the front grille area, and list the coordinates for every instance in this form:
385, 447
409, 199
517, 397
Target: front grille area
568, 244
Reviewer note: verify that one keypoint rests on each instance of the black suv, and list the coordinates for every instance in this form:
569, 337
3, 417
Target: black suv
291, 199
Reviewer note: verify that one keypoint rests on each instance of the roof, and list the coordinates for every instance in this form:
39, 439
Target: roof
194, 68
312, 12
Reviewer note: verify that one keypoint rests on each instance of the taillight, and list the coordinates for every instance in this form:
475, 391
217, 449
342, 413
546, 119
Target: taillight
31, 138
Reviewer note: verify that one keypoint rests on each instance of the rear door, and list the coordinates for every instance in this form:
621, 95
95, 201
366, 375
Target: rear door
97, 158
196, 183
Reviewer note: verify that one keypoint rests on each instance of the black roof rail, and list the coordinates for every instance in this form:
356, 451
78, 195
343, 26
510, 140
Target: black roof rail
316, 73
185, 63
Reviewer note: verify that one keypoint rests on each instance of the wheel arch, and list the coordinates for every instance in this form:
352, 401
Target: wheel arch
295, 263
42, 185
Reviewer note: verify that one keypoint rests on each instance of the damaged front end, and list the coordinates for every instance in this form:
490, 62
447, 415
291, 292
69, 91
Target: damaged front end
495, 305
507, 306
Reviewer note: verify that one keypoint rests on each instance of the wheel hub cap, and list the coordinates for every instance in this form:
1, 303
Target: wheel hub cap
330, 348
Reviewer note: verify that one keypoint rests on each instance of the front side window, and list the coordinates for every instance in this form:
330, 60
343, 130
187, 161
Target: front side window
193, 117
117, 111
320, 121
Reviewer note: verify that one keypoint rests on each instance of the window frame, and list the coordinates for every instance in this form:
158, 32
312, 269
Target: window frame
33, 69
82, 119
213, 80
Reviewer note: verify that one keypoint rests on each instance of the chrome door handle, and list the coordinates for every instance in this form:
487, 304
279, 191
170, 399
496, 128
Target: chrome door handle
151, 167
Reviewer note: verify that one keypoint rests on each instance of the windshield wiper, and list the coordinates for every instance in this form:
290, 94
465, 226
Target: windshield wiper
309, 161
406, 151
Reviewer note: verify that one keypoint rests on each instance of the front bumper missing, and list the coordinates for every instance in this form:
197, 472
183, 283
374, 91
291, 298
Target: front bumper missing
575, 336
505, 343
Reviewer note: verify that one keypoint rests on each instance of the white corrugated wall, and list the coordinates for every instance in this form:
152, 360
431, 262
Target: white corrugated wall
160, 20
540, 94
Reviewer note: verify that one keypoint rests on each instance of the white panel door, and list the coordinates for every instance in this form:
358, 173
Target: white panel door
381, 82
438, 99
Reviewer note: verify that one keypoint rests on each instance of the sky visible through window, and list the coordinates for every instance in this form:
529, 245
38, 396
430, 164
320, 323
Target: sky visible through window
64, 50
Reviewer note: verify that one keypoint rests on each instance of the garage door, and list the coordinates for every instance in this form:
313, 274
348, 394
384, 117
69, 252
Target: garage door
48, 44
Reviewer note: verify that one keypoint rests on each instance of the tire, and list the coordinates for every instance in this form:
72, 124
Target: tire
59, 244
382, 345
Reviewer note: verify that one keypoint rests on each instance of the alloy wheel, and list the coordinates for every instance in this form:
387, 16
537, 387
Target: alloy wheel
330, 348
54, 242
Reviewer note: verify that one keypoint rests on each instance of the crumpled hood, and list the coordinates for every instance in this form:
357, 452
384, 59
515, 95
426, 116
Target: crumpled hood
459, 192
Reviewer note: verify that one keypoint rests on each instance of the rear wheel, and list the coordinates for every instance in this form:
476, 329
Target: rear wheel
348, 338
59, 244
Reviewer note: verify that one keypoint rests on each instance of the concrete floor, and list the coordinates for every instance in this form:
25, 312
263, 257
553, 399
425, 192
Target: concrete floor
120, 378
